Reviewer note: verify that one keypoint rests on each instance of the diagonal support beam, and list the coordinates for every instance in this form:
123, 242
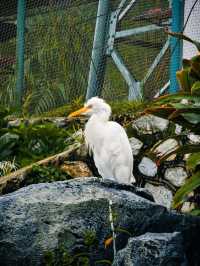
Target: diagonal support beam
120, 6
156, 62
134, 85
162, 90
126, 9
103, 46
139, 30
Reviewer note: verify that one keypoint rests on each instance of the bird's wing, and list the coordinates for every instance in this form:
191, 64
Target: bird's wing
117, 151
123, 161
117, 140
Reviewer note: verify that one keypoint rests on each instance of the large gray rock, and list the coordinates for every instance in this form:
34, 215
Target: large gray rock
161, 194
61, 222
176, 175
152, 249
193, 138
149, 124
136, 145
148, 167
178, 129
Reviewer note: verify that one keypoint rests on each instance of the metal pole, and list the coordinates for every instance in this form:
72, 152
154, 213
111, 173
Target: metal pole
20, 49
176, 45
134, 85
98, 60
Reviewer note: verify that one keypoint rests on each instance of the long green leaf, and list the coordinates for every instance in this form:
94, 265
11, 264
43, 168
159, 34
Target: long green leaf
177, 97
196, 88
193, 161
7, 138
191, 184
192, 118
195, 212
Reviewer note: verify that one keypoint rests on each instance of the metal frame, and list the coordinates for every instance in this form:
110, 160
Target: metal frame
176, 45
111, 35
20, 49
103, 46
126, 9
156, 62
134, 85
97, 65
131, 32
162, 90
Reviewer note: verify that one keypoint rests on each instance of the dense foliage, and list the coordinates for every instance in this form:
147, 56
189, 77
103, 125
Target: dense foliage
184, 109
26, 144
43, 174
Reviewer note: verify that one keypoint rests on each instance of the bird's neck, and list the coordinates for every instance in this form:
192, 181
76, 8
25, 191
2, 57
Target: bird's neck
102, 117
94, 128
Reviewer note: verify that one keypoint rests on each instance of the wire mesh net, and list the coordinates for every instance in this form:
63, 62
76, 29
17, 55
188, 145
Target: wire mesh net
58, 47
140, 50
192, 28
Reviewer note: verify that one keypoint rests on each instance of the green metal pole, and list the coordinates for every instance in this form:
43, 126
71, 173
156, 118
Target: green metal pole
20, 49
176, 45
98, 60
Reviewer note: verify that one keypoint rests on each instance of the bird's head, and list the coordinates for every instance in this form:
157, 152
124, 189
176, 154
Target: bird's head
93, 106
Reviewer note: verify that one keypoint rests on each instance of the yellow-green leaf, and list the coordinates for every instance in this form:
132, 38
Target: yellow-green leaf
195, 90
195, 212
183, 79
193, 161
191, 184
192, 118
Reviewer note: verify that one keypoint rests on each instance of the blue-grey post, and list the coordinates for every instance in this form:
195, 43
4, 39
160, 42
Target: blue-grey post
176, 44
97, 66
20, 49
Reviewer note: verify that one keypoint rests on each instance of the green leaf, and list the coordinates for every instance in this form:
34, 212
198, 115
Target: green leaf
7, 138
196, 88
192, 117
193, 161
195, 212
184, 79
191, 184
177, 97
188, 107
7, 142
186, 63
122, 230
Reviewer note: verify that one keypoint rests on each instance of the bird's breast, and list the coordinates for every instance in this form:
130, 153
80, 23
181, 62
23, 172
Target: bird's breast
94, 136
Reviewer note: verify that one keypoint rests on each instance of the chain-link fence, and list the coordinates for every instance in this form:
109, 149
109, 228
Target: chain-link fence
58, 50
58, 44
192, 28
139, 51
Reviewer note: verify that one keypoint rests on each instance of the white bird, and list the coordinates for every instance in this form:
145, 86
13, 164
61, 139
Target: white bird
108, 142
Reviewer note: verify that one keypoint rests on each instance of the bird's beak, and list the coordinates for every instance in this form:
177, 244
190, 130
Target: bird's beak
79, 112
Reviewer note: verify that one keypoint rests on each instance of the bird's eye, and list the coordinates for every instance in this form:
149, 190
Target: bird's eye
89, 106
